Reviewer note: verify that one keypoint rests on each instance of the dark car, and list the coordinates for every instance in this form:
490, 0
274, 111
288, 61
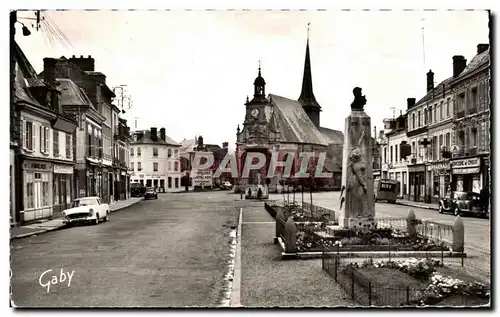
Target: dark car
463, 203
150, 193
137, 190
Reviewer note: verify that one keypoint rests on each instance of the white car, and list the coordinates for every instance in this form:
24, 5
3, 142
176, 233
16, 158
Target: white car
86, 209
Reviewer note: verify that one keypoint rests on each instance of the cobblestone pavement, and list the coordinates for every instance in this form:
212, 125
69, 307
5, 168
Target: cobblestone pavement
168, 252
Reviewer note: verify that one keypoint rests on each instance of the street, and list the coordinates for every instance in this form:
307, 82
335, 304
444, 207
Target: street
163, 253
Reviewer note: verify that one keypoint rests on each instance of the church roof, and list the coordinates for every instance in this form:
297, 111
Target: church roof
332, 136
293, 123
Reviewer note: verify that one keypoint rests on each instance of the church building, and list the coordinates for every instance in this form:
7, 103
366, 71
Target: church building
279, 124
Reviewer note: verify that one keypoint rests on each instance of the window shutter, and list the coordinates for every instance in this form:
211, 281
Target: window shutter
22, 136
47, 138
33, 136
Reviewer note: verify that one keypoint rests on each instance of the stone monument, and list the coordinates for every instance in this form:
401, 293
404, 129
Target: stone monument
357, 201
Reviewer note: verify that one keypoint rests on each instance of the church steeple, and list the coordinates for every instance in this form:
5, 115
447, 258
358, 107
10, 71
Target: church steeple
307, 98
259, 87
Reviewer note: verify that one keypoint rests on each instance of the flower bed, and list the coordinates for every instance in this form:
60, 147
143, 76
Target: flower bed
382, 239
428, 287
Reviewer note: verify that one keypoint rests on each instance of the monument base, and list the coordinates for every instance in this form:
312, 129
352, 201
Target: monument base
358, 224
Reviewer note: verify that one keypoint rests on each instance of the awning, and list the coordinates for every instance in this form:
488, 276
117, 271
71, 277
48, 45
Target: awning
470, 170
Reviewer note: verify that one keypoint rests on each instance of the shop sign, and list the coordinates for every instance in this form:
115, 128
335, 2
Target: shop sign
440, 166
466, 163
38, 166
63, 169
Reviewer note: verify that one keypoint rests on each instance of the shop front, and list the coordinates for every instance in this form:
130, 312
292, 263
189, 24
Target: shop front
37, 190
441, 179
466, 175
94, 180
62, 189
417, 182
12, 186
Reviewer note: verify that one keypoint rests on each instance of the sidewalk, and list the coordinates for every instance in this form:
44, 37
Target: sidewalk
55, 224
268, 281
417, 204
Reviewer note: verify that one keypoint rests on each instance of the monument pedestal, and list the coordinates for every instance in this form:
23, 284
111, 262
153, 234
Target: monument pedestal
358, 224
358, 210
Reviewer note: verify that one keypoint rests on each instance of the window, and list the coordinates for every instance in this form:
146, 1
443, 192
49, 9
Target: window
176, 166
131, 151
45, 193
429, 113
28, 136
391, 154
448, 139
396, 153
461, 102
441, 110
138, 151
30, 195
68, 145
99, 144
176, 182
448, 114
44, 139
385, 154
90, 140
169, 152
473, 137
169, 182
419, 119
155, 167
55, 143
139, 167
169, 165
176, 153
473, 103
413, 120
132, 166
435, 113
155, 151
413, 148
425, 116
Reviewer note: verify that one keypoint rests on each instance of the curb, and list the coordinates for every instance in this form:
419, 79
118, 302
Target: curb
29, 234
416, 206
236, 290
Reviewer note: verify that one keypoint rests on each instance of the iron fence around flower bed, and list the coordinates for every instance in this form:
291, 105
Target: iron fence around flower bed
319, 212
343, 268
435, 231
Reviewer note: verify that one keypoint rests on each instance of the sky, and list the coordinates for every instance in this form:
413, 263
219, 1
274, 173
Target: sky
190, 71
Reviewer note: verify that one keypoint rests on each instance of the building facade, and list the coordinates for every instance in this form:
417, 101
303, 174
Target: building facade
471, 124
155, 160
396, 163
44, 157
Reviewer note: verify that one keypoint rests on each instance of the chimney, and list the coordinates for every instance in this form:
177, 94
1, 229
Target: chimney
162, 134
459, 63
154, 134
481, 48
224, 145
200, 141
410, 102
430, 80
85, 64
49, 68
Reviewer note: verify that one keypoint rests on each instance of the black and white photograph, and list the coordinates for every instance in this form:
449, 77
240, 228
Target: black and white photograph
250, 158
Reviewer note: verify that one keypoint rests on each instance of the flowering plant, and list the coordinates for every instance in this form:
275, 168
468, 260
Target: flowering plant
442, 287
420, 269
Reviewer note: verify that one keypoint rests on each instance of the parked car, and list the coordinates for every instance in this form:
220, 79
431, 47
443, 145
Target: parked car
463, 203
226, 186
86, 209
137, 190
150, 193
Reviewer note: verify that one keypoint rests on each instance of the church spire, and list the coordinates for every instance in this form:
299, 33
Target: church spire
307, 98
